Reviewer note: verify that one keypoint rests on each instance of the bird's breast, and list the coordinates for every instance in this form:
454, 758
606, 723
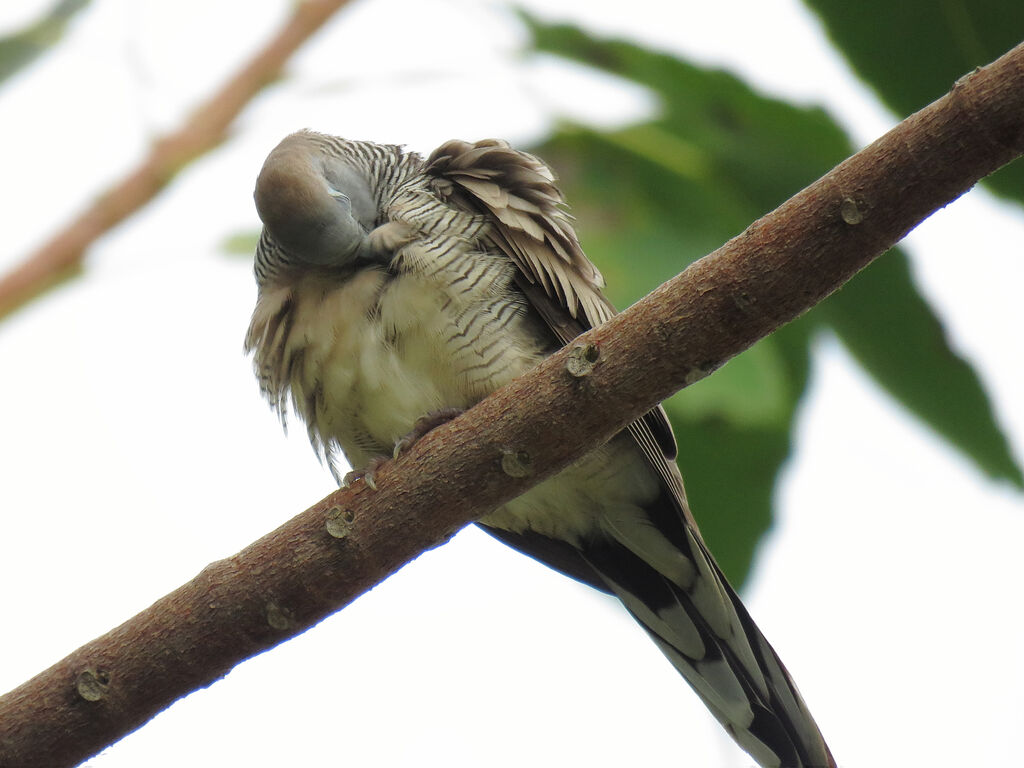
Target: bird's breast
366, 356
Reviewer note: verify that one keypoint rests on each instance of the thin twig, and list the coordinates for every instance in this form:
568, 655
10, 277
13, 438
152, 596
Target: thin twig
327, 556
204, 129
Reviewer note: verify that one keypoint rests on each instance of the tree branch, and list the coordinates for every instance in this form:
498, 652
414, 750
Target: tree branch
325, 557
205, 128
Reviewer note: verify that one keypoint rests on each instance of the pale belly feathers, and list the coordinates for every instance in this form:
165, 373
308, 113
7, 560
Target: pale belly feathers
398, 349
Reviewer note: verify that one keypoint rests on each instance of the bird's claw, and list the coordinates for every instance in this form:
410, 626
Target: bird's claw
423, 425
366, 474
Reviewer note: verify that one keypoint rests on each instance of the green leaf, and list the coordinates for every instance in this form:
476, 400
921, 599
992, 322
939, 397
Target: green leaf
730, 477
21, 48
731, 466
893, 333
651, 198
911, 52
751, 390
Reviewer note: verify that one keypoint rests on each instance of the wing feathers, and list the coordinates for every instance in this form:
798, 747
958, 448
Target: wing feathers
518, 190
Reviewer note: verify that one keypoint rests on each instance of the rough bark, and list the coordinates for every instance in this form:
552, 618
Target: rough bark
325, 557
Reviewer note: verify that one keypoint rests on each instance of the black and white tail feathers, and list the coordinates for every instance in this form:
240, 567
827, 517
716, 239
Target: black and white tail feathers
709, 637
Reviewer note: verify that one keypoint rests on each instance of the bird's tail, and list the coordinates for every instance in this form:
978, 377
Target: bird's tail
706, 632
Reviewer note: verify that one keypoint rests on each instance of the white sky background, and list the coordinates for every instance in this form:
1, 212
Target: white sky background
136, 448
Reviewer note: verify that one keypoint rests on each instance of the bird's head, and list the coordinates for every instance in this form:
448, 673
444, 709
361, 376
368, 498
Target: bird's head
315, 204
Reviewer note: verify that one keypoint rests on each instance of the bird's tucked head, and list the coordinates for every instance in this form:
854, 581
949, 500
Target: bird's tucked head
314, 203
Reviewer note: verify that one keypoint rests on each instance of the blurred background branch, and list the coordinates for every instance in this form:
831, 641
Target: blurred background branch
201, 131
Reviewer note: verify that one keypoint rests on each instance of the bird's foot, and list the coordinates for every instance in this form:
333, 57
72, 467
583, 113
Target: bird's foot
423, 425
366, 474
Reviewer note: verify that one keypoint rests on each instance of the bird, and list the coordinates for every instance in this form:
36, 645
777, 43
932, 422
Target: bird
396, 290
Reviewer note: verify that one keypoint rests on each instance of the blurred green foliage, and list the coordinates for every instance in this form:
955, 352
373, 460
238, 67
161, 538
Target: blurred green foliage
911, 52
651, 198
242, 243
21, 48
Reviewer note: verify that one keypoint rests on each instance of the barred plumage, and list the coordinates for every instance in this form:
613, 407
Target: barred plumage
392, 287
